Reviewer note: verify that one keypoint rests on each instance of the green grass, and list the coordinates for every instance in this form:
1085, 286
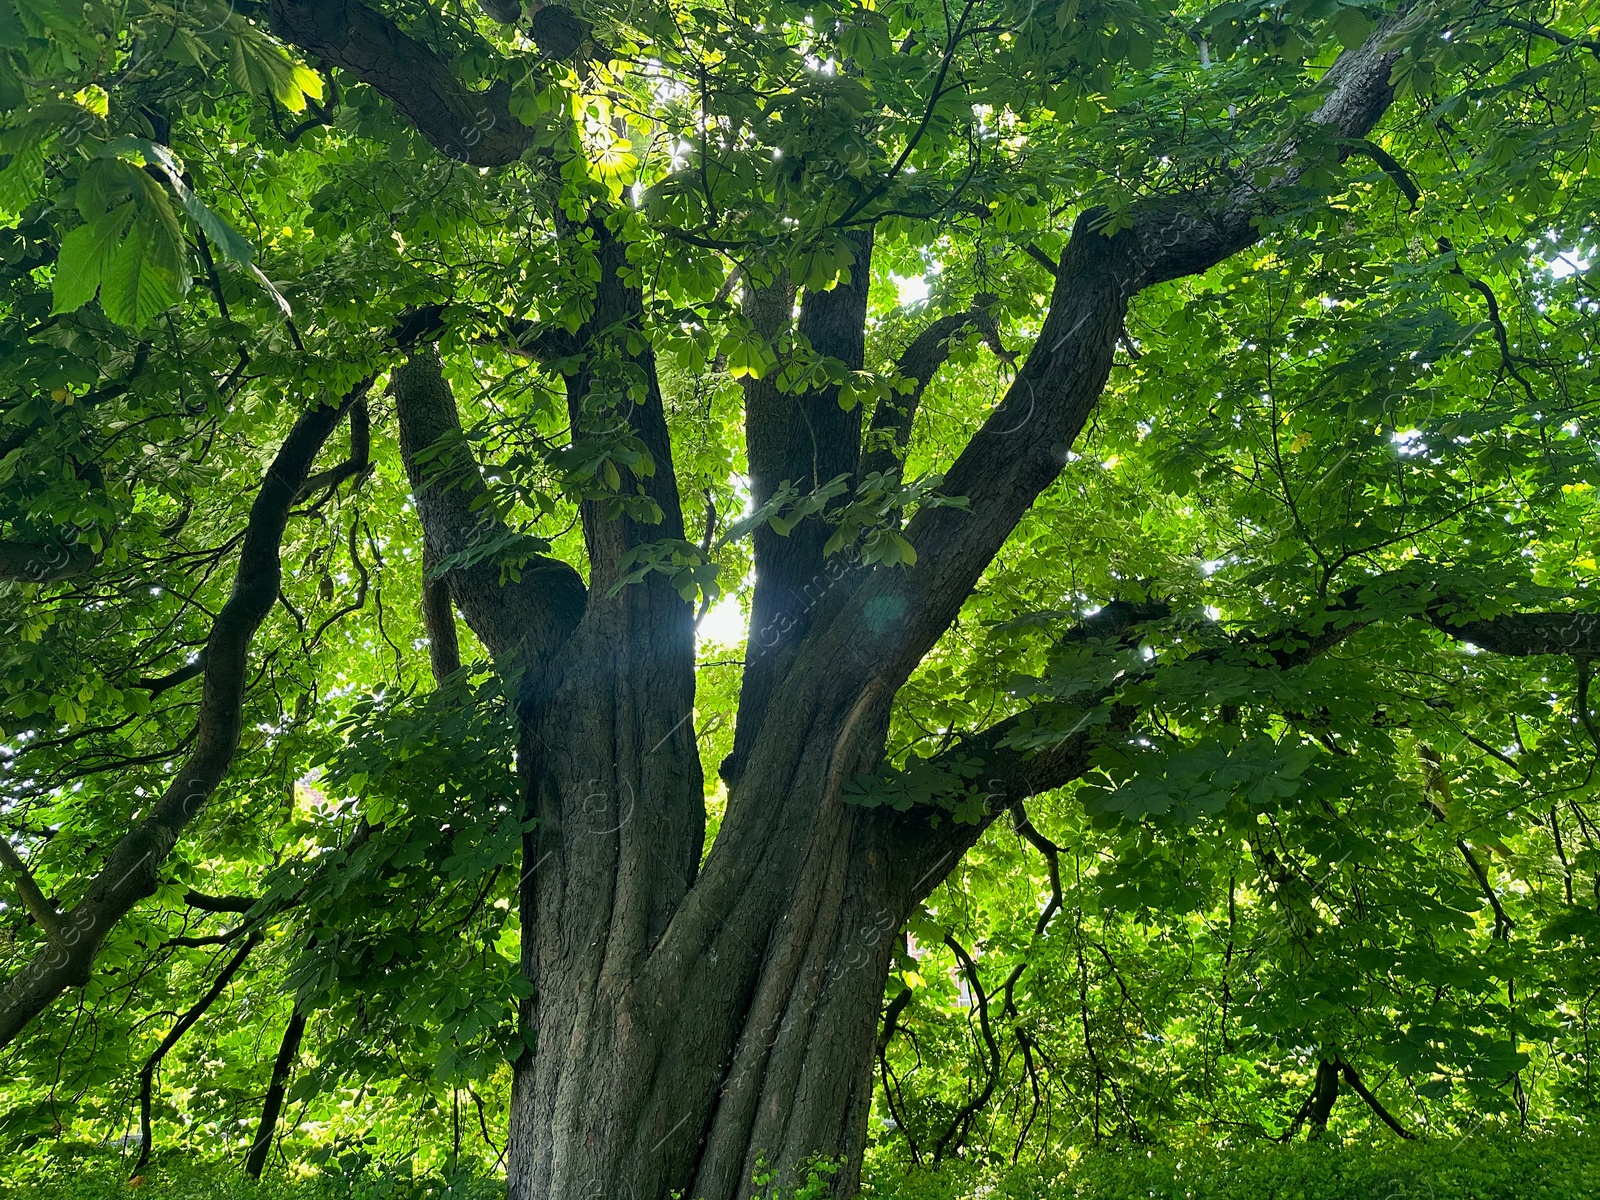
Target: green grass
1494, 1166
86, 1174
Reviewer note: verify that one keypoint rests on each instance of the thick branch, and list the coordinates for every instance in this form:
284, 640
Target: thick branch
1010, 776
1521, 634
358, 463
530, 339
132, 870
522, 621
889, 433
805, 441
45, 562
474, 127
1170, 239
1040, 257
614, 334
213, 939
1518, 635
1022, 447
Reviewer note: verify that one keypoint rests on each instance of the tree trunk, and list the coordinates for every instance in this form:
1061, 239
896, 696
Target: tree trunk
741, 1050
1323, 1096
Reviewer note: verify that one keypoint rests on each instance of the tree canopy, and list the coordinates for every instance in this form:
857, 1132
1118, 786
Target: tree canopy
661, 594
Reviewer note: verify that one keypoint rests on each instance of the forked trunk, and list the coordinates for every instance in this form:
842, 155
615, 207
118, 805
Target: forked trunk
716, 1043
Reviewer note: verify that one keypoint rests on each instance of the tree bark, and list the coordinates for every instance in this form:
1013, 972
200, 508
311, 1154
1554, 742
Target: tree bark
272, 1105
1323, 1096
804, 441
45, 562
439, 621
736, 1037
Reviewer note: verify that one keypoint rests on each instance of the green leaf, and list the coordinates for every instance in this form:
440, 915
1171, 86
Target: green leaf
23, 177
1351, 27
1141, 49
85, 252
233, 245
138, 285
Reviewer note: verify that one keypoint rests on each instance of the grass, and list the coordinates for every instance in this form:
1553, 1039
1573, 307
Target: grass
1562, 1165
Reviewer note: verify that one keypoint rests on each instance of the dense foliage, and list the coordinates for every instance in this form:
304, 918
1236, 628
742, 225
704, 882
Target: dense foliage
1313, 590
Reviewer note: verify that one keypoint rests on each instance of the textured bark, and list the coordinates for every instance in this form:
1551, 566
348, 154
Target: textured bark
45, 562
439, 620
474, 127
743, 1032
521, 621
615, 782
804, 441
1575, 634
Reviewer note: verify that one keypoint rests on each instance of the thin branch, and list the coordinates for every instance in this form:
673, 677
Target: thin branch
1391, 168
288, 1051
963, 1119
33, 898
1360, 1089
1043, 259
1483, 289
1024, 828
1561, 39
218, 904
359, 462
1433, 773
183, 674
889, 433
147, 1073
